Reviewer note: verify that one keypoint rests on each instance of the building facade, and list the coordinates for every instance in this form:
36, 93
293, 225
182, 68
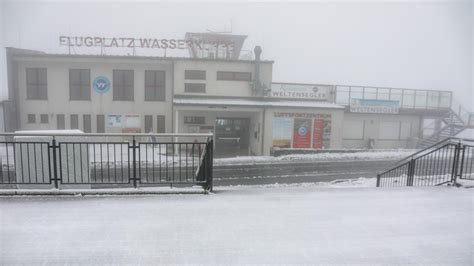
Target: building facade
235, 99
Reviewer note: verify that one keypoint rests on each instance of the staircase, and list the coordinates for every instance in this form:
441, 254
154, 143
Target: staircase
454, 123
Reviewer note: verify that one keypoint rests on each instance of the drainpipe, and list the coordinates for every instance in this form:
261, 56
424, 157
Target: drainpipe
262, 137
257, 84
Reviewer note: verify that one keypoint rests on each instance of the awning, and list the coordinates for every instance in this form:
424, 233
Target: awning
226, 102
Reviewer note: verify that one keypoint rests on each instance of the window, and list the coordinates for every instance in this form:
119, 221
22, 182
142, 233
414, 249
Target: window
36, 84
160, 124
61, 123
123, 85
155, 82
44, 119
148, 123
353, 130
74, 121
100, 124
195, 120
86, 123
195, 74
79, 84
236, 76
195, 87
31, 119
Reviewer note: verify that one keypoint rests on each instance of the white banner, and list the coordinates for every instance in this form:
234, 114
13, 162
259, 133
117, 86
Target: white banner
300, 91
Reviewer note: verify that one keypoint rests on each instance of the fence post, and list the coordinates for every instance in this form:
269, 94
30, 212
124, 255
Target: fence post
55, 164
378, 180
462, 161
454, 172
211, 164
411, 173
134, 162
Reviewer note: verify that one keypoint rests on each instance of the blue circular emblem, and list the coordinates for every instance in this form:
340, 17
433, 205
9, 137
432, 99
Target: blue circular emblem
302, 131
101, 84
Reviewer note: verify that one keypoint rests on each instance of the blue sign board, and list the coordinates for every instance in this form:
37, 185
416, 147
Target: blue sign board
374, 106
101, 84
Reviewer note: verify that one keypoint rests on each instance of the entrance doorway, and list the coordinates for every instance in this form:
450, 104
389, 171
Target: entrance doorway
232, 137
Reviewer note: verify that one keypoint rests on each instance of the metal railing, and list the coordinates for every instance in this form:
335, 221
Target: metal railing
407, 98
441, 163
98, 160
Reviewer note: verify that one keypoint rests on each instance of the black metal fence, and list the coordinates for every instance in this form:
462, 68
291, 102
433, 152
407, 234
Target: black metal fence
444, 162
99, 160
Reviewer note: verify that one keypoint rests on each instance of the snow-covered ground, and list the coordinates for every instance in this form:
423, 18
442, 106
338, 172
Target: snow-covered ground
332, 223
323, 156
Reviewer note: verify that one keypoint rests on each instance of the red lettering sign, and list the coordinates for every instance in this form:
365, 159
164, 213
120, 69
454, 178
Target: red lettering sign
318, 132
302, 133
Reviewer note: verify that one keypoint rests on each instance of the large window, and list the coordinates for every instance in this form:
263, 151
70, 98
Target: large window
195, 87
36, 84
123, 85
235, 76
155, 82
195, 74
80, 84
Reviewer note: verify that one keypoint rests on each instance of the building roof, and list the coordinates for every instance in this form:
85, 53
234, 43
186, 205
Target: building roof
218, 102
39, 54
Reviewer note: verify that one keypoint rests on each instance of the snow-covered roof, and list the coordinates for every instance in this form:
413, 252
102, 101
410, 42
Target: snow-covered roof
257, 103
52, 132
41, 133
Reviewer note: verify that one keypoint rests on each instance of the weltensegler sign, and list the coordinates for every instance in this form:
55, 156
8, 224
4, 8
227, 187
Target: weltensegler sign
127, 42
300, 91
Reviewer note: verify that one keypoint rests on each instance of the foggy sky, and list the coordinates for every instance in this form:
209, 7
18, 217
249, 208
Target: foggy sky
425, 45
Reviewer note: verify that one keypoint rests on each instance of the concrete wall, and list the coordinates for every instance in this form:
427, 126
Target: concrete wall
216, 87
58, 91
372, 124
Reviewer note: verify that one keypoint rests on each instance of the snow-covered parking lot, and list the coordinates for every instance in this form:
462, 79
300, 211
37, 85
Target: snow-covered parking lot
280, 224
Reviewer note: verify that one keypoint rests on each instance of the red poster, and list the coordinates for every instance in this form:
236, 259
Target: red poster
302, 133
318, 132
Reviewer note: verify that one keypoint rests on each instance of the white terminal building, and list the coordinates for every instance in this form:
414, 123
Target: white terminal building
215, 90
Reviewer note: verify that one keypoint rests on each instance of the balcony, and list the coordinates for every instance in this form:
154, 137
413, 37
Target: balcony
407, 98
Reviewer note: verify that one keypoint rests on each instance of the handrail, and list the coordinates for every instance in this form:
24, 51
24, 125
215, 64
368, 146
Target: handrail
54, 134
441, 143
